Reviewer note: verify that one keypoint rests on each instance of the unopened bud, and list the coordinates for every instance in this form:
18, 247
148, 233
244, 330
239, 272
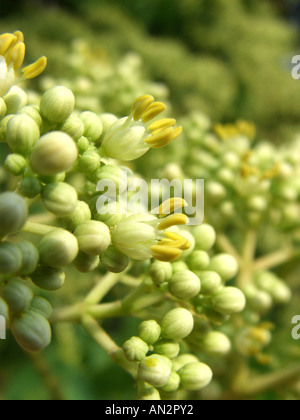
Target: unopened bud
149, 393
195, 376
74, 127
10, 258
22, 133
205, 237
93, 237
229, 301
116, 176
57, 104
160, 272
30, 258
3, 308
93, 126
13, 213
3, 108
149, 331
60, 198
30, 187
210, 282
15, 99
89, 162
216, 344
225, 265
41, 306
58, 248
185, 285
173, 383
177, 324
168, 348
198, 260
114, 261
183, 360
86, 263
33, 112
155, 370
48, 278
81, 214
18, 295
83, 144
135, 349
15, 164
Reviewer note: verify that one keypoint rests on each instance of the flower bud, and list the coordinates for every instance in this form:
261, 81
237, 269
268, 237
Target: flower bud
135, 349
52, 179
198, 260
83, 144
54, 153
216, 344
155, 370
160, 272
32, 331
3, 126
107, 121
58, 248
18, 295
113, 215
225, 265
15, 164
179, 266
185, 285
278, 290
168, 348
57, 104
33, 112
195, 376
149, 331
149, 393
41, 306
3, 308
177, 324
81, 214
173, 383
13, 213
89, 162
115, 175
86, 263
93, 126
30, 187
258, 300
3, 108
93, 237
215, 317
74, 127
15, 99
10, 258
22, 133
48, 278
183, 360
229, 301
205, 237
60, 198
210, 282
30, 258
114, 261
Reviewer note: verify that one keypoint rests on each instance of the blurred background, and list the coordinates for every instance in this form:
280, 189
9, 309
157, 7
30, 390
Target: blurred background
227, 59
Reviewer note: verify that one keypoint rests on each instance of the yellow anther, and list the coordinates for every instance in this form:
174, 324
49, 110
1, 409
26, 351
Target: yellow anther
267, 326
171, 205
35, 69
153, 111
160, 138
161, 124
6, 40
246, 128
177, 132
264, 359
247, 171
273, 173
180, 243
172, 236
140, 106
16, 55
259, 335
165, 253
173, 220
19, 36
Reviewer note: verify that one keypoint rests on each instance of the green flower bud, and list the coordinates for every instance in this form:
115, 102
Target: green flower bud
278, 290
183, 360
57, 104
3, 308
15, 164
135, 349
225, 265
3, 108
114, 261
86, 263
48, 278
81, 214
215, 317
215, 191
58, 248
83, 144
54, 153
10, 258
13, 213
216, 344
93, 126
93, 237
114, 174
15, 99
198, 260
52, 179
107, 121
113, 214
33, 112
257, 203
32, 331
210, 282
160, 272
74, 127
185, 285
149, 331
3, 127
30, 187
173, 383
258, 300
229, 301
205, 237
30, 258
149, 393
177, 324
155, 370
89, 162
22, 133
195, 376
60, 198
41, 306
168, 348
179, 266
18, 295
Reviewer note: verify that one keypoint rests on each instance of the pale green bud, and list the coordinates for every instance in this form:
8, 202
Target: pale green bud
216, 344
210, 282
48, 278
113, 215
58, 248
3, 108
160, 272
22, 133
258, 204
54, 153
93, 237
15, 164
60, 198
18, 295
258, 300
3, 127
215, 191
52, 179
229, 301
107, 121
57, 104
86, 263
198, 260
89, 162
149, 393
278, 290
93, 126
32, 331
226, 176
173, 383
33, 112
225, 265
115, 175
3, 308
81, 214
177, 324
155, 370
195, 376
183, 360
30, 187
135, 349
30, 258
215, 317
41, 306
74, 127
13, 213
185, 285
15, 99
10, 258
205, 237
114, 261
179, 266
149, 331
168, 348
83, 144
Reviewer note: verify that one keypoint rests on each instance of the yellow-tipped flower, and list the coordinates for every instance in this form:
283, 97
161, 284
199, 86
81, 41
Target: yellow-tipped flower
12, 54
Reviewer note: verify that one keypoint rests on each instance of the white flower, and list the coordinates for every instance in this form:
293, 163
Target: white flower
7, 76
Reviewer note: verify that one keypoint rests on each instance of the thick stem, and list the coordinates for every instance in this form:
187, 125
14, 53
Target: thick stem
276, 259
71, 314
103, 286
225, 245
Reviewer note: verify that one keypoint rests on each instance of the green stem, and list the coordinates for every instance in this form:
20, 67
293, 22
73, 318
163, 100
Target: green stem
276, 259
225, 245
37, 229
71, 314
103, 286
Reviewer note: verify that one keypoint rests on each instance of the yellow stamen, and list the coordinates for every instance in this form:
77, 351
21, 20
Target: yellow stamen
273, 173
6, 40
259, 335
163, 123
173, 220
247, 171
20, 36
177, 132
165, 253
264, 359
153, 111
171, 205
16, 55
35, 69
161, 138
140, 106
